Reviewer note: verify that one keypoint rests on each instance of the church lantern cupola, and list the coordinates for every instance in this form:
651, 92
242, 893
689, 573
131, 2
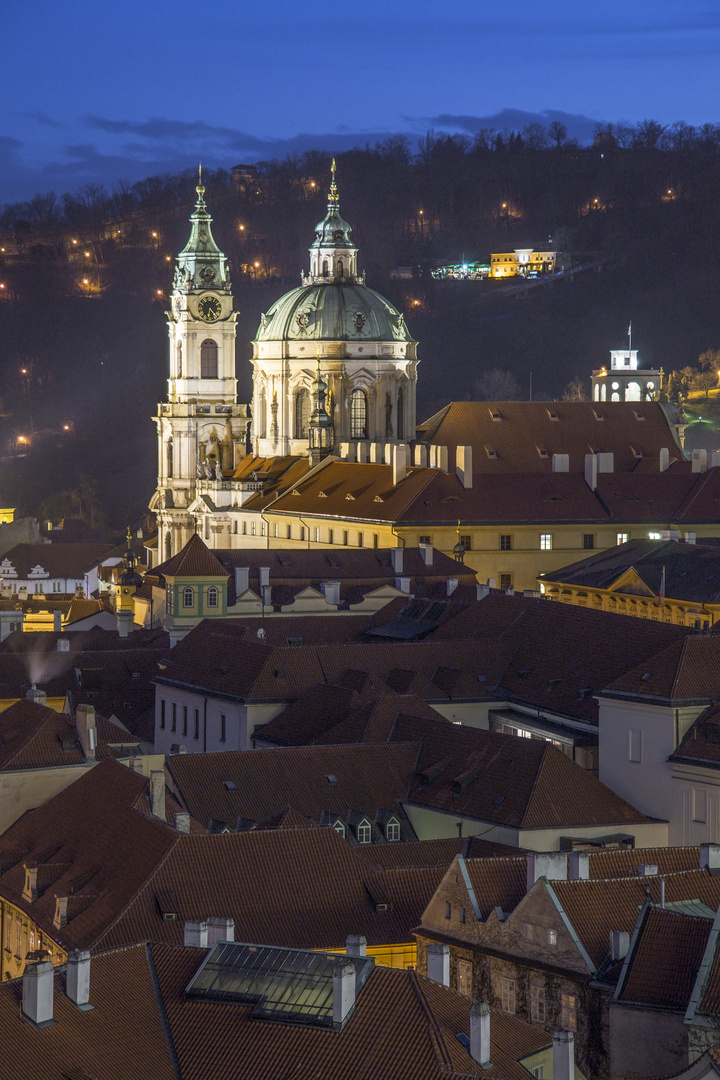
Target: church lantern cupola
320, 428
333, 255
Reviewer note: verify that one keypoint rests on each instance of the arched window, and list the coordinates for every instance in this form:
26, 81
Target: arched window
358, 415
179, 359
632, 392
340, 268
208, 359
603, 392
212, 597
169, 456
325, 270
188, 597
302, 414
400, 427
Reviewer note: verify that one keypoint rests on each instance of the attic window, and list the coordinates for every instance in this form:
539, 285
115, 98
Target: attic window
491, 452
331, 778
638, 416
552, 415
339, 828
279, 673
542, 452
500, 799
646, 677
494, 415
378, 499
322, 495
451, 498
636, 452
230, 785
294, 641
552, 683
349, 497
364, 833
294, 491
585, 693
598, 415
428, 502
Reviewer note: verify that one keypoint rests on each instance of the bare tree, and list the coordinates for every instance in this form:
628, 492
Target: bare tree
575, 390
558, 133
496, 384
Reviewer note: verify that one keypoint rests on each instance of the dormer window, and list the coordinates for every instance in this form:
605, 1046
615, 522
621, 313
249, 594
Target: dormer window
339, 828
364, 832
392, 829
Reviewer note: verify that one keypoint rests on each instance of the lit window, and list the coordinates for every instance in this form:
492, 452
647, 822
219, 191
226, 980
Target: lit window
188, 597
364, 832
622, 538
568, 1012
358, 415
392, 829
302, 414
654, 536
317, 535
464, 978
508, 995
552, 937
537, 1004
212, 597
546, 541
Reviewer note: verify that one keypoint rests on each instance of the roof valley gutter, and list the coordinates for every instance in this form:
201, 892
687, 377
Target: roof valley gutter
167, 1031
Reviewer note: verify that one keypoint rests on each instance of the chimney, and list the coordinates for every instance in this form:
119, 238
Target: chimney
591, 471
420, 455
375, 453
647, 869
63, 644
463, 465
690, 538
710, 858
403, 584
87, 730
343, 991
181, 821
57, 621
452, 584
441, 458
157, 793
124, 620
664, 459
355, 945
481, 591
396, 554
266, 595
38, 696
699, 460
561, 463
438, 963
347, 451
37, 993
220, 928
399, 463
242, 580
388, 452
30, 890
548, 864
619, 944
331, 592
77, 982
714, 459
578, 866
178, 748
606, 462
195, 935
480, 1034
426, 554
361, 451
563, 1067
264, 576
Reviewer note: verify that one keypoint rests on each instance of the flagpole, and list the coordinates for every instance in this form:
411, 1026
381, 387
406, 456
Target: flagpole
630, 340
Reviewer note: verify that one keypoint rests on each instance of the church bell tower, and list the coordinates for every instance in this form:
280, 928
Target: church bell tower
201, 428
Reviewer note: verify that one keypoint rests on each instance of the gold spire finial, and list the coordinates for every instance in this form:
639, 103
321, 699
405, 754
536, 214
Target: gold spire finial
333, 185
200, 189
128, 536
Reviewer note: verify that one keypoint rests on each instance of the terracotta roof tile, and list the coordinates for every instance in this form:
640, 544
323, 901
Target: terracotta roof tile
689, 670
58, 560
35, 737
194, 560
666, 959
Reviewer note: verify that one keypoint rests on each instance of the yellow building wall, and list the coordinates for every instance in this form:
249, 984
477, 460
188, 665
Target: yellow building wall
392, 956
677, 612
56, 703
20, 936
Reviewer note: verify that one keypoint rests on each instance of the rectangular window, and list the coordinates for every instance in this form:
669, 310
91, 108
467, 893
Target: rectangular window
254, 527
317, 535
464, 978
461, 914
539, 1072
162, 712
508, 995
425, 540
552, 937
244, 528
360, 539
506, 581
174, 716
184, 719
588, 541
262, 528
546, 541
654, 536
277, 527
302, 532
344, 537
331, 536
568, 1020
466, 542
622, 538
505, 542
528, 931
448, 909
364, 833
222, 727
635, 745
197, 724
699, 804
537, 1004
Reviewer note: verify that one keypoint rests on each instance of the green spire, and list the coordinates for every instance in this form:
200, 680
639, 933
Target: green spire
201, 264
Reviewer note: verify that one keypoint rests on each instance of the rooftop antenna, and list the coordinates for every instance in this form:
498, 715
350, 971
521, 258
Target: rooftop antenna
630, 337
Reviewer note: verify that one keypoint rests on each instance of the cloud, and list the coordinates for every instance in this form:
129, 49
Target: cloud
579, 127
43, 118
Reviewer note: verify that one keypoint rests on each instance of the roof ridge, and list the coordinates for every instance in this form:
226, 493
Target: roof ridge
436, 1036
538, 773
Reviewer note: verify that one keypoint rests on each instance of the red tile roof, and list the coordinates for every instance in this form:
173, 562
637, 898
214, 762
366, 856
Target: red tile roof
689, 670
58, 560
35, 737
666, 959
194, 560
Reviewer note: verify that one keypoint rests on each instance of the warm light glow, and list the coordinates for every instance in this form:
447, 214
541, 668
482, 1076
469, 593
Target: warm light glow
74, 241
504, 206
154, 234
241, 228
159, 292
66, 427
416, 303
257, 264
87, 254
312, 183
168, 259
23, 371
86, 281
21, 438
2, 286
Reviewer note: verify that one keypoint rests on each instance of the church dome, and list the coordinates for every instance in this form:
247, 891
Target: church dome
333, 312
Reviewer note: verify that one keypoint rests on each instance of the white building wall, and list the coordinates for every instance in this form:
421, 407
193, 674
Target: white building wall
695, 805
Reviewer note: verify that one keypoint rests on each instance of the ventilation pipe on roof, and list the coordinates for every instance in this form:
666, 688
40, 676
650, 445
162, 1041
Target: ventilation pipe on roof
561, 463
714, 458
710, 858
591, 471
548, 864
438, 963
124, 620
399, 463
242, 580
481, 591
480, 1034
38, 696
181, 821
463, 465
195, 935
664, 459
403, 584
85, 723
157, 793
397, 557
77, 982
356, 945
37, 993
420, 455
427, 554
266, 595
331, 592
563, 1067
452, 584
220, 928
606, 462
699, 460
264, 576
578, 866
343, 991
670, 534
619, 945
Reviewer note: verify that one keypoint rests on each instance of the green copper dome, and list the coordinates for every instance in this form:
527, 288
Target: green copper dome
333, 312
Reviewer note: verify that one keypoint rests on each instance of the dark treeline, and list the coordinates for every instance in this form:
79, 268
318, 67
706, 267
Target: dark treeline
85, 277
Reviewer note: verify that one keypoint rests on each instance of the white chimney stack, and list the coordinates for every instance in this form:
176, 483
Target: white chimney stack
699, 460
481, 591
331, 592
452, 584
463, 465
86, 729
38, 696
710, 858
420, 455
399, 463
396, 554
664, 459
561, 463
195, 935
264, 576
606, 462
563, 1055
427, 554
57, 621
548, 864
402, 584
591, 471
37, 993
578, 866
157, 793
647, 869
619, 944
480, 1033
181, 821
356, 945
77, 981
343, 991
220, 928
438, 963
242, 580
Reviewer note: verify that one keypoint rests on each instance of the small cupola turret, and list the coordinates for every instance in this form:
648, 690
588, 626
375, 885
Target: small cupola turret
333, 255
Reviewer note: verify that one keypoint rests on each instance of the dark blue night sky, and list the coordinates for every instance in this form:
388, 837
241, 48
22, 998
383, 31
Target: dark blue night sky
96, 92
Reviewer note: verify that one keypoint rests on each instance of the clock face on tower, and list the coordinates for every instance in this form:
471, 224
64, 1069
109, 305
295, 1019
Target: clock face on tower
209, 308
